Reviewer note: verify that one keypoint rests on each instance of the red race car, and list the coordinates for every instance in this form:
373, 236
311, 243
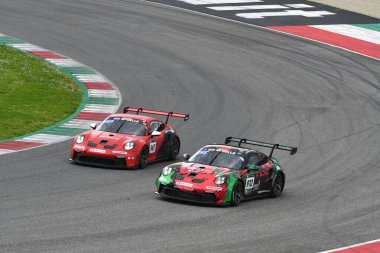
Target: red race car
128, 140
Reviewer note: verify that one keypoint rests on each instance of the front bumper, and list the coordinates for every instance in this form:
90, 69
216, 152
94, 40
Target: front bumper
174, 193
117, 163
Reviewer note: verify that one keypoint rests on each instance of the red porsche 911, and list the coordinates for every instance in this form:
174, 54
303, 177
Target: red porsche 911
128, 140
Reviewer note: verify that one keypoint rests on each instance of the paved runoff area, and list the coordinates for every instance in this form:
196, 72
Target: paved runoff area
348, 30
101, 98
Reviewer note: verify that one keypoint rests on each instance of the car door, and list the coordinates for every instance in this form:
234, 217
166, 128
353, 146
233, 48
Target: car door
264, 172
250, 180
155, 142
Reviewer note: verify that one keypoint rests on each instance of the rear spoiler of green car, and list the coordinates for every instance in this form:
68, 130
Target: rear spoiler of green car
240, 141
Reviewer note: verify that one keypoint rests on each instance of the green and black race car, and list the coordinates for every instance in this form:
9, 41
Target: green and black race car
225, 174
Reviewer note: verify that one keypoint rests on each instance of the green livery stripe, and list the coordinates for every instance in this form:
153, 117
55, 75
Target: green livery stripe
230, 186
374, 27
64, 131
10, 40
103, 101
79, 70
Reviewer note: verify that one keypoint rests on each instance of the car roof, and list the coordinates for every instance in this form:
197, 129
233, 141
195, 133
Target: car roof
134, 116
241, 149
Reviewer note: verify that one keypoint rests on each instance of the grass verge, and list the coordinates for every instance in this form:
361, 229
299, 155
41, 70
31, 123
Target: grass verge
33, 94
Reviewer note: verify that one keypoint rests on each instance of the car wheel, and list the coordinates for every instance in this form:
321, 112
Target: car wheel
278, 184
174, 150
143, 159
237, 194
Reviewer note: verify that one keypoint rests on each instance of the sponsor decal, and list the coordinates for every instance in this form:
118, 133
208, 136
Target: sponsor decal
152, 146
119, 152
256, 186
203, 152
249, 183
163, 179
214, 188
79, 147
263, 191
96, 150
184, 184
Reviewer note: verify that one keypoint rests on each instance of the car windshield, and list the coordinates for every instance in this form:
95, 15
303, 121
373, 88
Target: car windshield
124, 126
220, 157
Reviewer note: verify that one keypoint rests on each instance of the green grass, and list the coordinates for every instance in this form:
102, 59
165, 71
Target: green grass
33, 94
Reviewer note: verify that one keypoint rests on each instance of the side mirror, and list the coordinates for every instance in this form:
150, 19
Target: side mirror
186, 156
93, 125
156, 133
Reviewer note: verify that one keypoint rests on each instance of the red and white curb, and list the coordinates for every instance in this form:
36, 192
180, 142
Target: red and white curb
101, 98
365, 247
362, 39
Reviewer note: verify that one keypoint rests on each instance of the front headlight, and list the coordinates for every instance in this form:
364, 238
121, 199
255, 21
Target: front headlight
80, 139
220, 180
166, 171
129, 145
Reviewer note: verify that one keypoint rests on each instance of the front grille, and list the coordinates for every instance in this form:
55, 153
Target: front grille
197, 180
207, 198
107, 162
110, 146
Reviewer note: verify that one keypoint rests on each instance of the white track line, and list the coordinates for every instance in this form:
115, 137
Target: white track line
308, 14
5, 151
204, 2
248, 7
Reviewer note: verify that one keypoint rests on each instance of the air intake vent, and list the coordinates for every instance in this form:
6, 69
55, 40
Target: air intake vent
103, 142
91, 144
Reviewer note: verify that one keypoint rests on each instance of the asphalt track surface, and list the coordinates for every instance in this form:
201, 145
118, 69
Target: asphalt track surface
233, 80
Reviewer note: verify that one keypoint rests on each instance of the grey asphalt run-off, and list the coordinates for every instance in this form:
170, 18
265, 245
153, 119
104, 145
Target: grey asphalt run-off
234, 80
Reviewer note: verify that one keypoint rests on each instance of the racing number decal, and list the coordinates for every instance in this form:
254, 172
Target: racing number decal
249, 183
152, 146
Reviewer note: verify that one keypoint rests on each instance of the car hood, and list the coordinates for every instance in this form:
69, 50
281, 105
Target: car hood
197, 170
109, 139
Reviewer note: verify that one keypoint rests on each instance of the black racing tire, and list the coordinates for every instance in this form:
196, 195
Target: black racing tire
237, 194
174, 150
277, 187
143, 158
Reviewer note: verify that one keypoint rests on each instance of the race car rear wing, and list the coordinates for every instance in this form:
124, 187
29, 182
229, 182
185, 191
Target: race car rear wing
167, 114
240, 141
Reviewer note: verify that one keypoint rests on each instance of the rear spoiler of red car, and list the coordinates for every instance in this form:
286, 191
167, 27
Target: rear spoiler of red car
167, 114
240, 141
